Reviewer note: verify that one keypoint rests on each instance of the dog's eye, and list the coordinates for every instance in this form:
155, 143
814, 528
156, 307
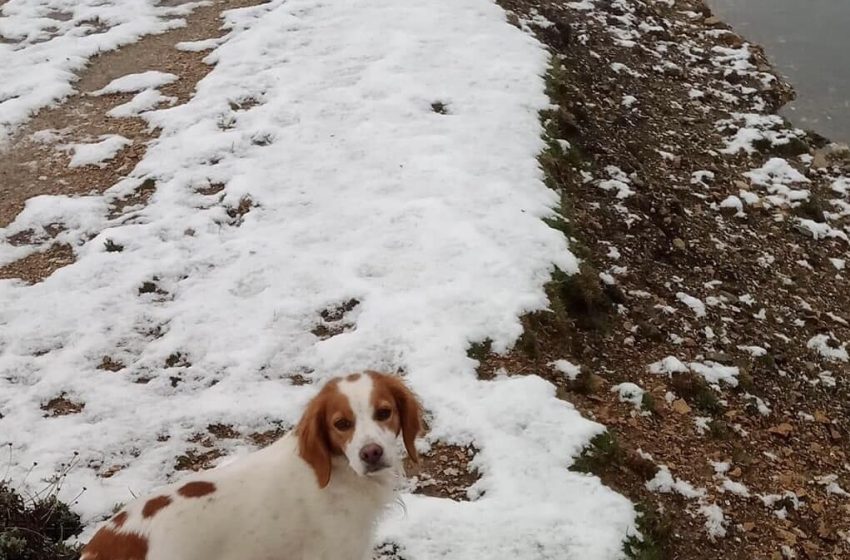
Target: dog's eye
343, 424
383, 414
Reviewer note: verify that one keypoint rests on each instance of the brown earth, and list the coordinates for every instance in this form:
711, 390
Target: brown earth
670, 237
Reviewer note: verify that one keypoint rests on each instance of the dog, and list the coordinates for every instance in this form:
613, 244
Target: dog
315, 494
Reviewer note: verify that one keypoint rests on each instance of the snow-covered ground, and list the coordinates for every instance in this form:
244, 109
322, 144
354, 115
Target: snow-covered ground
358, 190
43, 42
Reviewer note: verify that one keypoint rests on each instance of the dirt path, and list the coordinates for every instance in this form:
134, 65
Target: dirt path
37, 162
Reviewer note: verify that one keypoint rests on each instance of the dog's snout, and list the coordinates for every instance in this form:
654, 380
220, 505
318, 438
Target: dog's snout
371, 454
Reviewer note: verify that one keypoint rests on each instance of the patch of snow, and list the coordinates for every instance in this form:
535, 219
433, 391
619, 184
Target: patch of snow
137, 82
569, 369
735, 203
668, 366
715, 521
696, 305
735, 488
432, 223
630, 393
628, 101
830, 484
755, 351
143, 101
619, 182
665, 483
97, 152
831, 352
715, 373
701, 423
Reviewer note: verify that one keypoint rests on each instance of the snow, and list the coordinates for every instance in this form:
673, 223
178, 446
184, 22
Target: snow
137, 82
52, 39
735, 203
668, 366
618, 181
715, 521
431, 222
715, 373
569, 369
97, 152
755, 351
833, 353
141, 102
696, 305
830, 484
665, 483
629, 393
776, 175
735, 488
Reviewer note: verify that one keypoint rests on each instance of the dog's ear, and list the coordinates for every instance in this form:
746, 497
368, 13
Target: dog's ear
410, 413
313, 444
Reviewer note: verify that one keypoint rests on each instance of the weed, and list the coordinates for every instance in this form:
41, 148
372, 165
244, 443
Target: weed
112, 247
696, 391
604, 450
480, 350
656, 530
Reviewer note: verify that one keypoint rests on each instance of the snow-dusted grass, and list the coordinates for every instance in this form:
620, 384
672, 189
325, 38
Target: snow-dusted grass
360, 191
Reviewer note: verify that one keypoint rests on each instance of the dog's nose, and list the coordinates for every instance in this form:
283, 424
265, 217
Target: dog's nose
371, 454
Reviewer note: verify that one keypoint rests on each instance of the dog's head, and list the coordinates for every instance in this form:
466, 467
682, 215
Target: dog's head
359, 417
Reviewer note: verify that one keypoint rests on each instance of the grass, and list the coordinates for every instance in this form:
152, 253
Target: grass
604, 450
35, 528
479, 350
696, 391
656, 530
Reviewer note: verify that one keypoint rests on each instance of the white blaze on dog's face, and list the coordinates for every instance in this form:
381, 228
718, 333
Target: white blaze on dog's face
359, 417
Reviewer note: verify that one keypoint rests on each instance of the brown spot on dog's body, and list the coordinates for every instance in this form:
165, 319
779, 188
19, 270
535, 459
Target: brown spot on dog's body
153, 505
353, 377
390, 392
120, 519
196, 489
108, 544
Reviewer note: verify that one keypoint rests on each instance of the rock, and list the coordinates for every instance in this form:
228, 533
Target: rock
821, 418
679, 244
719, 357
712, 21
783, 430
681, 407
743, 185
819, 160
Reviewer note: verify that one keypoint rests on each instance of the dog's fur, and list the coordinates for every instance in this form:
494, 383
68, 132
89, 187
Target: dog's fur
312, 495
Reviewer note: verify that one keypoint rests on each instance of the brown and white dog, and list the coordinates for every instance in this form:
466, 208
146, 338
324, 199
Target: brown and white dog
315, 494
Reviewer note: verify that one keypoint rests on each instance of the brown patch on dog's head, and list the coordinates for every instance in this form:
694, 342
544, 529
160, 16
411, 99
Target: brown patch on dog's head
108, 544
196, 489
153, 505
395, 406
325, 429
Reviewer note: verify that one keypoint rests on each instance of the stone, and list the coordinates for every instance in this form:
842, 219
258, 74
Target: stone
681, 407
